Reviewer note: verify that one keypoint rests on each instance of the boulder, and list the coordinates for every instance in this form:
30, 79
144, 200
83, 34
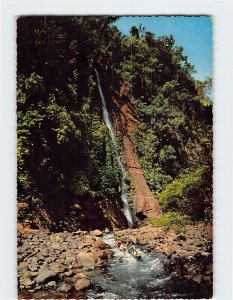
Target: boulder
69, 273
34, 274
99, 244
82, 284
51, 284
57, 267
46, 276
100, 254
34, 260
76, 266
23, 273
65, 287
57, 238
73, 245
198, 243
48, 260
79, 275
100, 263
23, 265
197, 278
33, 268
25, 281
181, 237
186, 254
88, 240
109, 252
56, 246
86, 259
188, 247
44, 252
78, 232
133, 239
171, 250
88, 269
96, 232
83, 245
70, 258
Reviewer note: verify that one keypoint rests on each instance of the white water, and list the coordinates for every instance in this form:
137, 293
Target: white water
129, 278
126, 208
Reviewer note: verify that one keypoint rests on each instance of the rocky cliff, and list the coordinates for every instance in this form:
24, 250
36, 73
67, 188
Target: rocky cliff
145, 205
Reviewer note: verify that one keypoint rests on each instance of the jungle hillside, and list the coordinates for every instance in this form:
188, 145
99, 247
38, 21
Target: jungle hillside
68, 175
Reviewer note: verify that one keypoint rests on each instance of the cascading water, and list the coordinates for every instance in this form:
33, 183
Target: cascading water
126, 208
128, 278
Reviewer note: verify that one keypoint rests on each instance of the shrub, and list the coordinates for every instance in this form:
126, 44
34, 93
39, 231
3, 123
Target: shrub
190, 194
171, 219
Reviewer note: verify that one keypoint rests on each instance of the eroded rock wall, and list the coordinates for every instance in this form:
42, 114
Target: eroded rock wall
122, 111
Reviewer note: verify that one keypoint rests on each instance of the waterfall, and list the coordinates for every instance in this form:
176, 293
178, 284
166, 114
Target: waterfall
126, 208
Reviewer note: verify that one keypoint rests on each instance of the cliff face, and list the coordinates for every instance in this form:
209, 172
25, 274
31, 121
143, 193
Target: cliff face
145, 205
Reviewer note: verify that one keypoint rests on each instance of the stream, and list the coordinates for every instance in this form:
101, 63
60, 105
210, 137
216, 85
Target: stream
154, 276
128, 278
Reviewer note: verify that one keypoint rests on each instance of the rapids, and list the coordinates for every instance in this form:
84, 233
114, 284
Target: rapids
128, 278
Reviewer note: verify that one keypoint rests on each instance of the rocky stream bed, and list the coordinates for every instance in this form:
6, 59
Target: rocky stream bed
86, 265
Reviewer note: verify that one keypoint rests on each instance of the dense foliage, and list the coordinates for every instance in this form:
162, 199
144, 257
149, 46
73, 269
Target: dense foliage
64, 150
65, 155
174, 137
173, 220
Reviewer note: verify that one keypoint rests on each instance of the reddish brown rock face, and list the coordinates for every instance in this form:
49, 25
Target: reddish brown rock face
121, 109
144, 201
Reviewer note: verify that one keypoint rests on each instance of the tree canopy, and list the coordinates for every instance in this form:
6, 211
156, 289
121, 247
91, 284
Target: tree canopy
65, 155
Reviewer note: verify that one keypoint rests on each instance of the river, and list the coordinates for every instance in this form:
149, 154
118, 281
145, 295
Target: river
128, 278
124, 277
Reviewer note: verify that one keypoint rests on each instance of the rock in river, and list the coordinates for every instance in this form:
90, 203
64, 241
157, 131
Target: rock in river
82, 284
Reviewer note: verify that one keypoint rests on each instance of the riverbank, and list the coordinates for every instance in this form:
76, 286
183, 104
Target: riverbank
189, 254
195, 239
62, 262
65, 264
